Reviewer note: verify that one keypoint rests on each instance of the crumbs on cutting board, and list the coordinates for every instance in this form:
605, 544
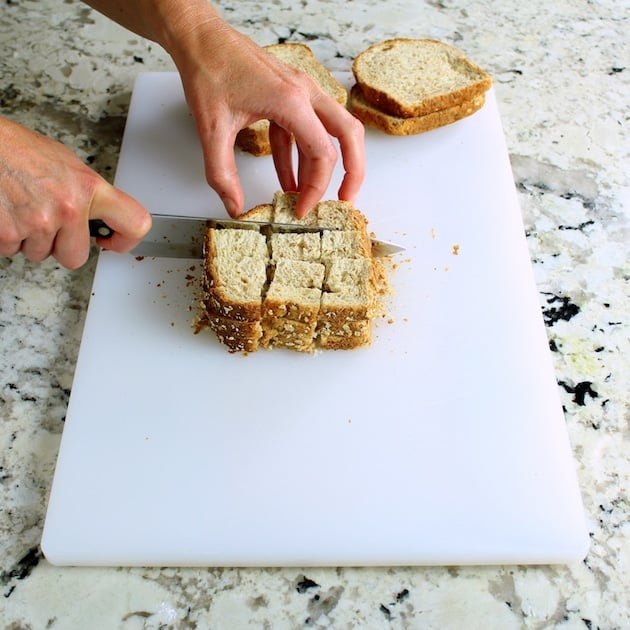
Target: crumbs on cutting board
166, 295
455, 250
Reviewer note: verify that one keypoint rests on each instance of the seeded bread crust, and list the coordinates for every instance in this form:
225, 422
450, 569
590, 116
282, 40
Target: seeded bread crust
254, 138
350, 335
397, 126
408, 78
237, 335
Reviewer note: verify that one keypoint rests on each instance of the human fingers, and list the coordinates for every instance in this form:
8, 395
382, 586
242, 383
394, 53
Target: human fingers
281, 142
350, 134
37, 234
217, 140
129, 220
34, 237
316, 158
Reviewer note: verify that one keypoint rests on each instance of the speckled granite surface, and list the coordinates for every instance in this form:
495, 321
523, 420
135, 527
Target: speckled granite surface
562, 80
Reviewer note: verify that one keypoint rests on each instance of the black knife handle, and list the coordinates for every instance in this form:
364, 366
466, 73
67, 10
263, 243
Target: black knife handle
99, 228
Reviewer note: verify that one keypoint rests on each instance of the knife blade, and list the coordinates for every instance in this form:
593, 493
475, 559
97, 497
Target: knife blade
174, 236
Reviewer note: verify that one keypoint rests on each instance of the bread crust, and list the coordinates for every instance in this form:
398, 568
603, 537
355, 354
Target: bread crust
262, 212
218, 303
397, 126
284, 333
384, 67
348, 337
254, 139
238, 336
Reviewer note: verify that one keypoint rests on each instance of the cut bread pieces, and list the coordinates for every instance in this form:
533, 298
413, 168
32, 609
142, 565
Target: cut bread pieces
301, 291
397, 126
236, 273
254, 138
410, 86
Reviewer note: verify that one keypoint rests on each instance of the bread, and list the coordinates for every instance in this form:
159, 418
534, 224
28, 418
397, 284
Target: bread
409, 86
254, 138
397, 126
301, 291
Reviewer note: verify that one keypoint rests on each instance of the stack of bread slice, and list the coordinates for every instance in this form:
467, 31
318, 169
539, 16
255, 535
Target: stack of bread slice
298, 290
409, 86
254, 138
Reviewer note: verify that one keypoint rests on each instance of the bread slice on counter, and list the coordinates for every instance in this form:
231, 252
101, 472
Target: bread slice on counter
397, 126
254, 138
301, 291
409, 86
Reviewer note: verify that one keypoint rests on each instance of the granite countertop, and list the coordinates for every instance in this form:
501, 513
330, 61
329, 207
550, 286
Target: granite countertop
561, 79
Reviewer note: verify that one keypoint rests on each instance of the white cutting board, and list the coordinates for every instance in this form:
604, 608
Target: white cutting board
442, 443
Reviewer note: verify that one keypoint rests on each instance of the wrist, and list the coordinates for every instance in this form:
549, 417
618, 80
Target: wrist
177, 24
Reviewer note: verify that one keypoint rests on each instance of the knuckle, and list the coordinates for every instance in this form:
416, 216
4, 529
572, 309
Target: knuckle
69, 209
38, 255
294, 92
219, 177
45, 224
9, 240
356, 128
330, 153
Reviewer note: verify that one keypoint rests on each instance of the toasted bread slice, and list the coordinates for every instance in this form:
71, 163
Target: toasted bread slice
397, 126
254, 138
408, 78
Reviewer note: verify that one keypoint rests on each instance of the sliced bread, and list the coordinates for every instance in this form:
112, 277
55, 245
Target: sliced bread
235, 273
254, 138
408, 78
397, 126
300, 291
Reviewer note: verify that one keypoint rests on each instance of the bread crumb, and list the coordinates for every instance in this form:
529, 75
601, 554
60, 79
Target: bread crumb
455, 249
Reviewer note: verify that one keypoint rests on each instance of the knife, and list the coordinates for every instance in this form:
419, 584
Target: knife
183, 237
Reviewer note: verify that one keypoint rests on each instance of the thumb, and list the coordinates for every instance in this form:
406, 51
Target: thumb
123, 214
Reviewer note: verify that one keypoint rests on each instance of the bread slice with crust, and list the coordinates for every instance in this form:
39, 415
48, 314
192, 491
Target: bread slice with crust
300, 291
397, 126
236, 273
254, 138
408, 78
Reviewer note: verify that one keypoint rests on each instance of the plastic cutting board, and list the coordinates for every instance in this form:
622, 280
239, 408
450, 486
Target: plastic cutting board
442, 443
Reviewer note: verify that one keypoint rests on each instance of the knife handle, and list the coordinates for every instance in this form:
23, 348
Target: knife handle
99, 228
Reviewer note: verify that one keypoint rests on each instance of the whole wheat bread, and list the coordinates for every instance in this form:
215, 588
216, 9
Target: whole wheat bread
398, 126
301, 291
410, 78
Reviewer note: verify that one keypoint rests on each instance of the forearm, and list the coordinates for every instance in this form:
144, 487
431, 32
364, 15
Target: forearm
167, 22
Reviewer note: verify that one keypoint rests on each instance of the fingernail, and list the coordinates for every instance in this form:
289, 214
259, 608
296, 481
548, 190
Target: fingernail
231, 207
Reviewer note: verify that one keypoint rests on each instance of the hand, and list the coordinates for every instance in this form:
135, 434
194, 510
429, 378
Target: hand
47, 196
231, 82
